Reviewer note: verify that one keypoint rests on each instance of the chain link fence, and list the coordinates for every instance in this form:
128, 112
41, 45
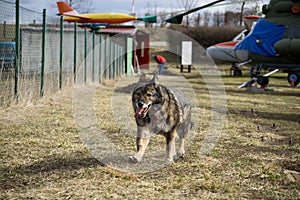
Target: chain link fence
53, 55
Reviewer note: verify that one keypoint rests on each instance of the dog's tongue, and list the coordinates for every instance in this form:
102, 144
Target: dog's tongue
138, 112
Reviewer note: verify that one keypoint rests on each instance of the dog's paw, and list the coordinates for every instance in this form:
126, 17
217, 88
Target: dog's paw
180, 155
134, 159
169, 160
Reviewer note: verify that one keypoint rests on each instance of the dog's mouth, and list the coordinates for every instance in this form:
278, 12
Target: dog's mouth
141, 112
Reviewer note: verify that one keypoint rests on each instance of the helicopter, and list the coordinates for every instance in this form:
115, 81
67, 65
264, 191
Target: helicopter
225, 51
273, 44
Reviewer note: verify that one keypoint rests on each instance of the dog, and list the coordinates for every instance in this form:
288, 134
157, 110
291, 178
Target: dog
160, 110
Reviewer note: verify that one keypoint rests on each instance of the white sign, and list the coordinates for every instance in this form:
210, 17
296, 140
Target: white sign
186, 53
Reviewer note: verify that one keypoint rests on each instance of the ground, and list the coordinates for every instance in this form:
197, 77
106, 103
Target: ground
257, 155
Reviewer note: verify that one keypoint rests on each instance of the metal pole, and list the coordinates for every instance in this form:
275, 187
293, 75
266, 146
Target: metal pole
4, 29
111, 57
100, 59
75, 51
61, 51
43, 53
122, 60
117, 60
177, 56
113, 60
105, 58
93, 62
18, 41
85, 54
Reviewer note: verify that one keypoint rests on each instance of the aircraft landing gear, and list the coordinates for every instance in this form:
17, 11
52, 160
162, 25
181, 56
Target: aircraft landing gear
263, 81
293, 79
236, 71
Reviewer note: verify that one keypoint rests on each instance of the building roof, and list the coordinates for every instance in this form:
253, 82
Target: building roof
128, 30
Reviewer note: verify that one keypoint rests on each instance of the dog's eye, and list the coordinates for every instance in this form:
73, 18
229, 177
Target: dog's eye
149, 95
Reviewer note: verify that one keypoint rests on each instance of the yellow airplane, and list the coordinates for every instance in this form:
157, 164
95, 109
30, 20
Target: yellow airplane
70, 15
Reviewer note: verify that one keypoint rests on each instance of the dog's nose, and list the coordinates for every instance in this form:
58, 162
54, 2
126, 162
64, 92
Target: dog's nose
140, 104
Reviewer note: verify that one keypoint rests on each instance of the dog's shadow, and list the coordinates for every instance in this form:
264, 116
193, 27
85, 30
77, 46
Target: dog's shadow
125, 163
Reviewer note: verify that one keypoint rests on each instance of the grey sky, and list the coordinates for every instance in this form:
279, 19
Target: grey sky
117, 6
123, 6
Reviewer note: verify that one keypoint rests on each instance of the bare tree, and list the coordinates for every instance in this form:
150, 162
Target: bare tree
187, 4
81, 6
163, 15
148, 13
218, 18
242, 13
206, 18
198, 20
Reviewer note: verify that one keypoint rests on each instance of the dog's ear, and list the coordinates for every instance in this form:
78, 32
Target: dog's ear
159, 98
155, 79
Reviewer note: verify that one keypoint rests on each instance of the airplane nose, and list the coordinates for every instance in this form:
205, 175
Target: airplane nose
209, 51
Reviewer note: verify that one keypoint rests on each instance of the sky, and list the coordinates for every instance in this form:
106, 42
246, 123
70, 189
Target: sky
116, 6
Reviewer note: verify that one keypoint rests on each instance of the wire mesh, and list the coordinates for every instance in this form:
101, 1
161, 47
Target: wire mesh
93, 54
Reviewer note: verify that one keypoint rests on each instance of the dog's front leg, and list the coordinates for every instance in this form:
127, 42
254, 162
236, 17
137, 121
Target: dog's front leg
170, 149
142, 141
181, 151
141, 144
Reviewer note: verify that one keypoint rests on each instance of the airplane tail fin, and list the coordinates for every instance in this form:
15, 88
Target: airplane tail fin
64, 8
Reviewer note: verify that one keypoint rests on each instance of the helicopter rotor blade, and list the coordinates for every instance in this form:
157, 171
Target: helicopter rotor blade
177, 19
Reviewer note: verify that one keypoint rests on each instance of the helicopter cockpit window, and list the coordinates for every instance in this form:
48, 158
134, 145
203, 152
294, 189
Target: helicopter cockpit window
294, 32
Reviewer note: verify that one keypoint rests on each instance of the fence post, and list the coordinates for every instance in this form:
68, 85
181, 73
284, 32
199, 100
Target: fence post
111, 57
85, 55
4, 29
105, 57
61, 51
117, 60
121, 61
43, 53
100, 59
75, 52
93, 61
17, 67
113, 60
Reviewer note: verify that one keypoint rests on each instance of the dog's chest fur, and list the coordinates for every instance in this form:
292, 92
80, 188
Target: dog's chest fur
164, 117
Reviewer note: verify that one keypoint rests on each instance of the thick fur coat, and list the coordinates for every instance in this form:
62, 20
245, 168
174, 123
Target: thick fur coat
160, 110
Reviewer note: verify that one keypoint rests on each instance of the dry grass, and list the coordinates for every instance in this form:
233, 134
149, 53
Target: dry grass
43, 157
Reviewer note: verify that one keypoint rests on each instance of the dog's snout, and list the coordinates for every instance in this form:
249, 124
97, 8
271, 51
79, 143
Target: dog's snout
140, 104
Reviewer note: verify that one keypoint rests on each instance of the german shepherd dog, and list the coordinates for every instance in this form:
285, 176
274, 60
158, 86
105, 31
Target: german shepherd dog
160, 110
